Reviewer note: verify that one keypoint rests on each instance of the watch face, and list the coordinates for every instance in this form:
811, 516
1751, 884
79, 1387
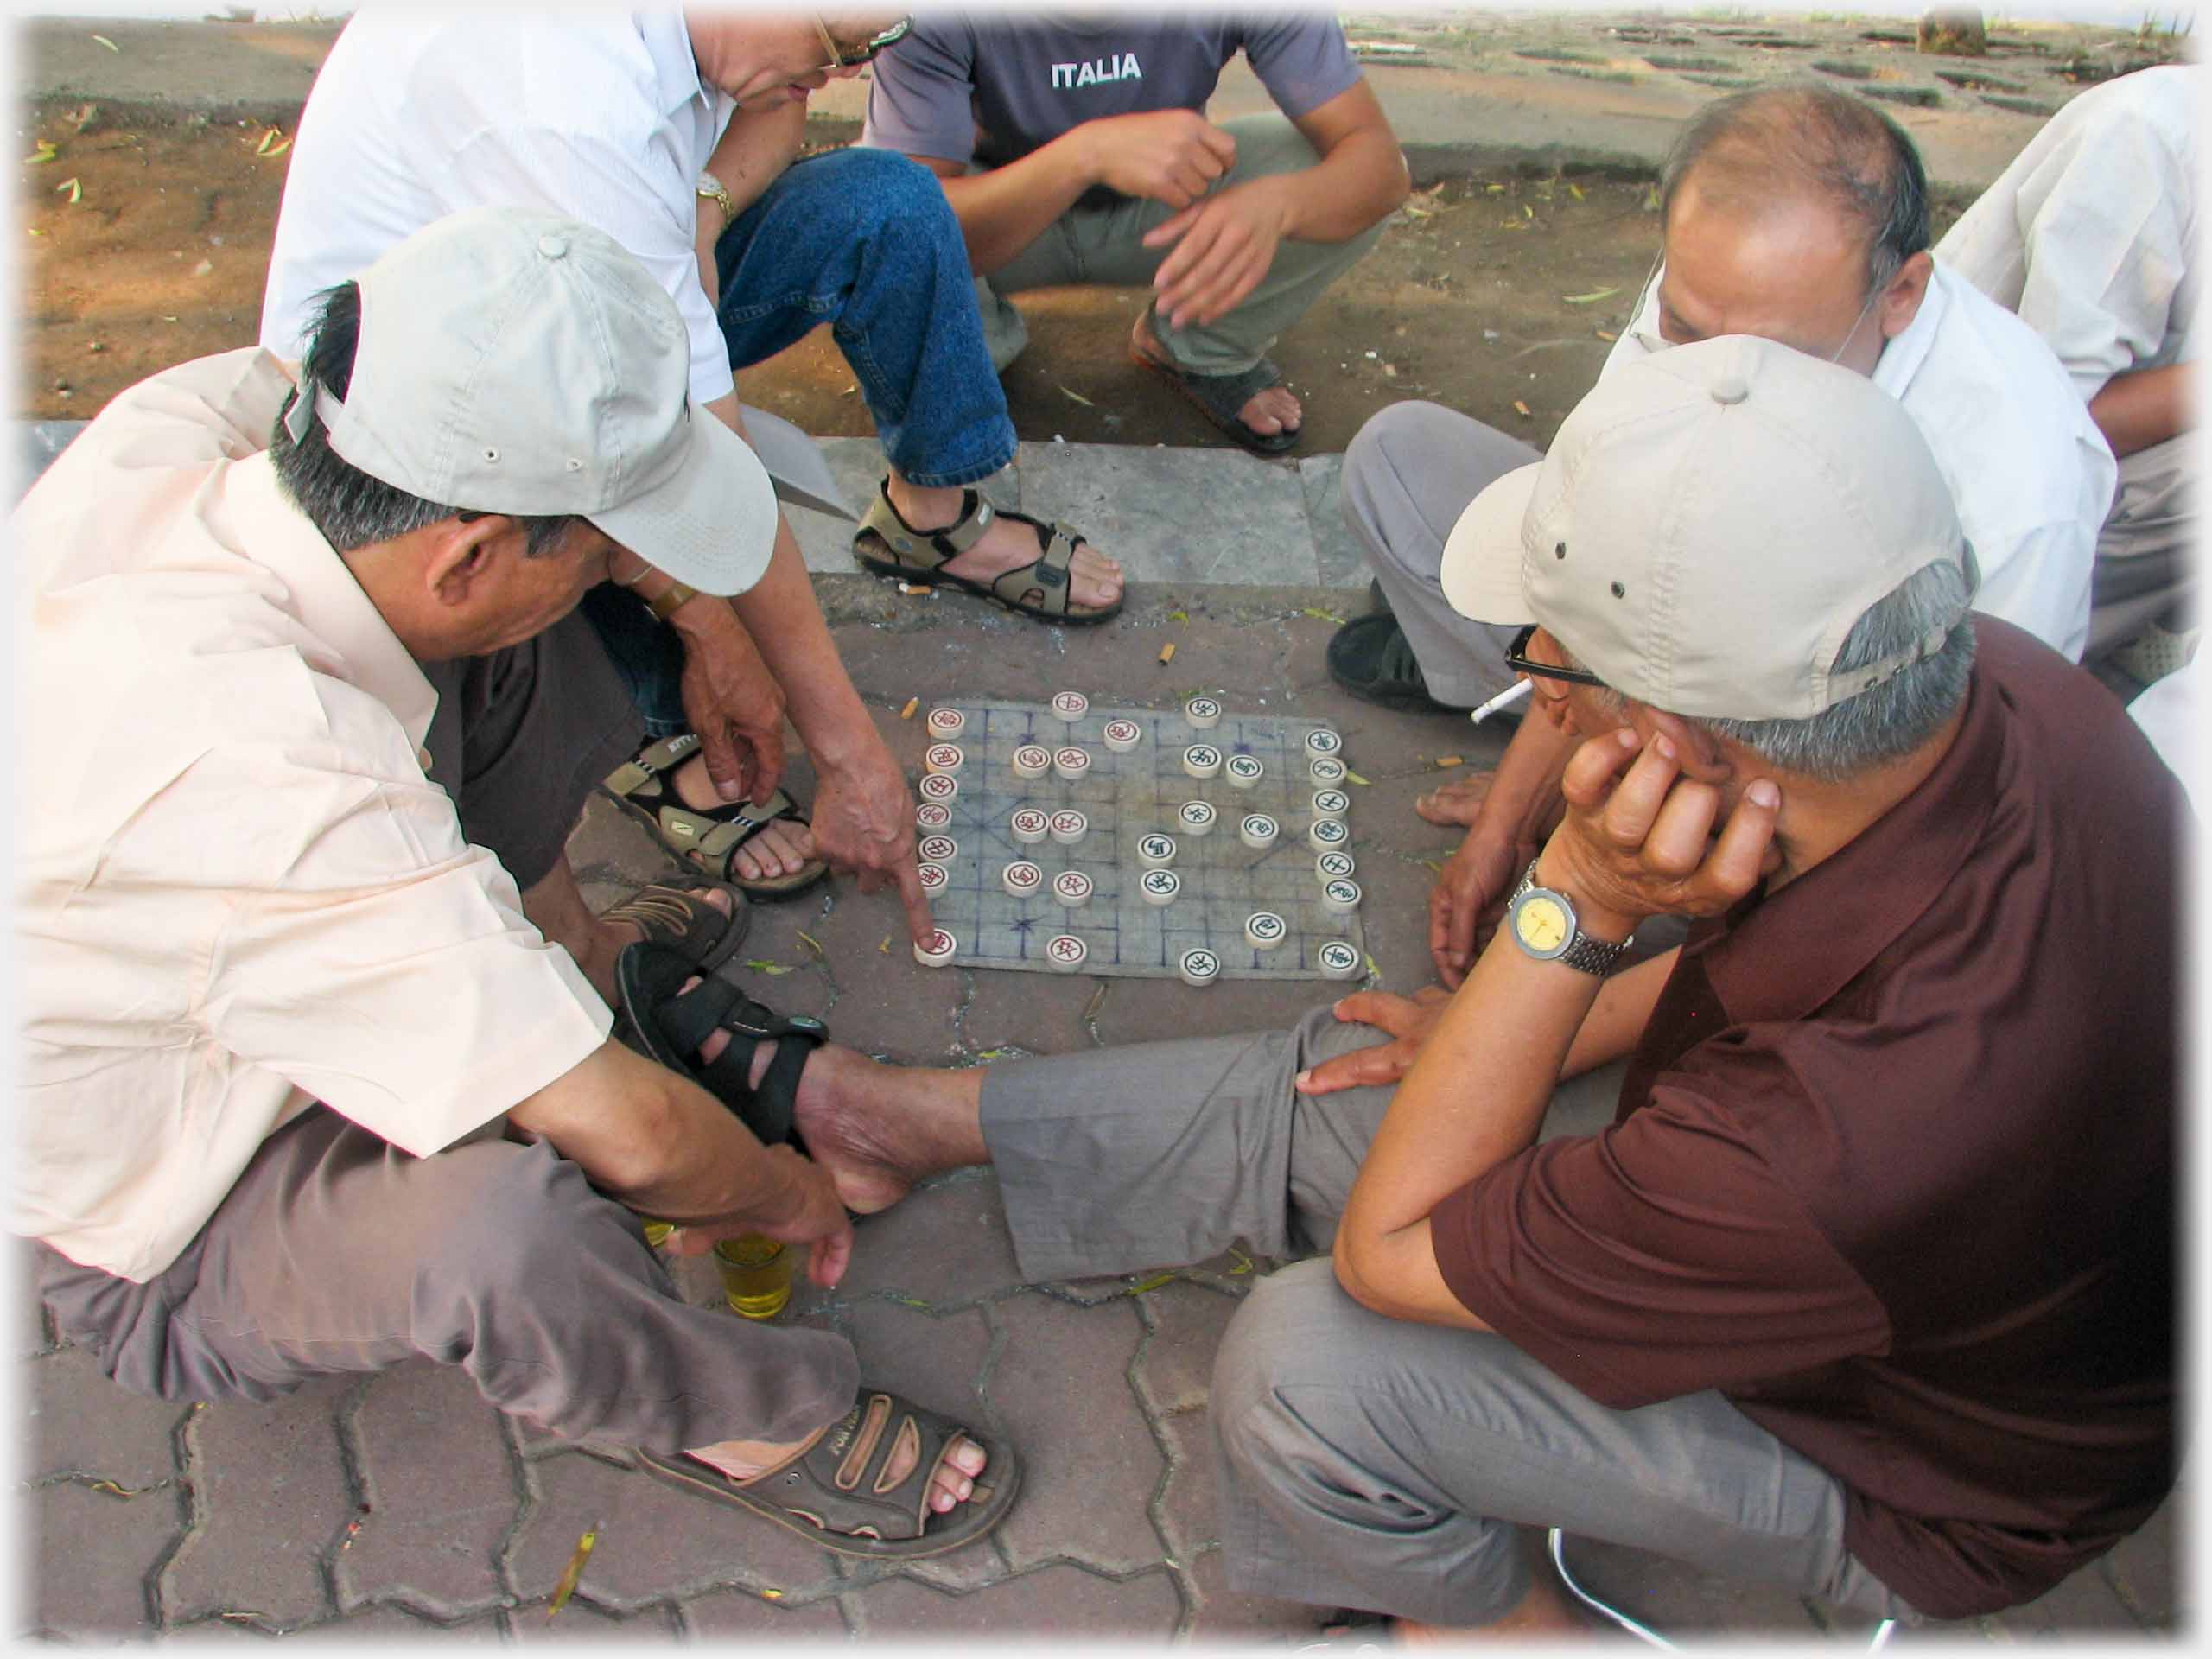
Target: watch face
1541, 924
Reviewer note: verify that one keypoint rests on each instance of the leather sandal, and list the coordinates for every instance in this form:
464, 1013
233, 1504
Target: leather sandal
834, 1494
675, 914
672, 1024
1220, 397
710, 836
1041, 589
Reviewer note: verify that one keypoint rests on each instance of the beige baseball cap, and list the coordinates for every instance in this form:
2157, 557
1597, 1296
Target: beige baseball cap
1709, 525
510, 361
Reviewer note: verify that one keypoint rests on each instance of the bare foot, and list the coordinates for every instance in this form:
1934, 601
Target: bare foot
953, 1483
1457, 802
1095, 580
783, 848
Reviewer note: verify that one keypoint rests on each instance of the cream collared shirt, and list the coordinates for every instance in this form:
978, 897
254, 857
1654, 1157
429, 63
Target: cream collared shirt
236, 891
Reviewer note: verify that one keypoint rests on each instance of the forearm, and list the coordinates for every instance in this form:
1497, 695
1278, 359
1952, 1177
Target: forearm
1005, 209
1523, 804
1360, 181
2135, 411
1616, 1022
781, 614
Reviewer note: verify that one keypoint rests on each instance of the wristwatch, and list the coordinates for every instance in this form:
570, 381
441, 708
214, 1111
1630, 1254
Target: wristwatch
1543, 924
718, 192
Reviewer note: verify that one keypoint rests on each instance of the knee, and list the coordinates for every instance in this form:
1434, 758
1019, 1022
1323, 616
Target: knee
503, 1213
874, 190
1377, 459
1270, 1426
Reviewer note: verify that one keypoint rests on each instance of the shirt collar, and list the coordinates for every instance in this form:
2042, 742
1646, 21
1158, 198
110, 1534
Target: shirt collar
675, 68
1901, 357
1860, 900
323, 594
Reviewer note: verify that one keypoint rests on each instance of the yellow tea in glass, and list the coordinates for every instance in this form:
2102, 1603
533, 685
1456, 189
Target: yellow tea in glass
756, 1274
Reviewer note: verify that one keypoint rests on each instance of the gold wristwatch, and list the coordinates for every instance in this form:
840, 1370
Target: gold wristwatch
1543, 924
713, 189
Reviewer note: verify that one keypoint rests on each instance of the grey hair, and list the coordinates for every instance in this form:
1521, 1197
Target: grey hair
352, 509
1752, 144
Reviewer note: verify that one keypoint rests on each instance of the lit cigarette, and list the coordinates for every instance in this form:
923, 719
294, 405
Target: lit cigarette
1512, 694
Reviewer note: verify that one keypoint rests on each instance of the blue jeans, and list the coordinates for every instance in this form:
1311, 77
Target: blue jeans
866, 240
647, 656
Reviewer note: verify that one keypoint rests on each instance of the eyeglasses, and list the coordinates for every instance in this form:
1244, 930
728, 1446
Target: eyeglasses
851, 57
1517, 659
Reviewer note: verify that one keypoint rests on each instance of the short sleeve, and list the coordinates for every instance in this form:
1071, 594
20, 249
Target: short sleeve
1303, 61
921, 100
1656, 1259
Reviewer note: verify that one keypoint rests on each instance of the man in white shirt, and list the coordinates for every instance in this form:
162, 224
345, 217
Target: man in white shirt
677, 135
304, 1089
2092, 237
1799, 214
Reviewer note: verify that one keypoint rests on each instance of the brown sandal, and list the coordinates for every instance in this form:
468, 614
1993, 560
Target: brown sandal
1041, 589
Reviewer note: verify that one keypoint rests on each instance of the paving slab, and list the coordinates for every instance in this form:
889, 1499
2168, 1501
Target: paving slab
579, 1622
1052, 1601
395, 1625
1175, 1368
83, 1425
942, 1246
92, 1558
1189, 1505
1221, 1614
736, 1615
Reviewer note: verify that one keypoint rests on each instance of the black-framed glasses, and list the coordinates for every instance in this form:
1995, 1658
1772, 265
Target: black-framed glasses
851, 57
1517, 659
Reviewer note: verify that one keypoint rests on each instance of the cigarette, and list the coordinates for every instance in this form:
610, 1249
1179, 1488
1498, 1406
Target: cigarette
1512, 694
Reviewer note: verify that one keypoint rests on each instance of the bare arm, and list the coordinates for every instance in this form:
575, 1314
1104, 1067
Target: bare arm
1361, 175
2135, 411
1511, 821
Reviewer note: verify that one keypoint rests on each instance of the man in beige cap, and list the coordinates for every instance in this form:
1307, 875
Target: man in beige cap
1837, 1300
316, 1073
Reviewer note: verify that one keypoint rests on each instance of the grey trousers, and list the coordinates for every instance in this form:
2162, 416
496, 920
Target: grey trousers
1365, 1461
1106, 245
1409, 473
2146, 553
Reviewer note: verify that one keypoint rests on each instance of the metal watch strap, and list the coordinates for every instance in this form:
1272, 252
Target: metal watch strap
1589, 955
713, 189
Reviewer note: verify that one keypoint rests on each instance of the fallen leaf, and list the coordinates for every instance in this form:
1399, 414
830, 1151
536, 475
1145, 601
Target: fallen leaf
113, 1490
1322, 616
45, 153
1449, 760
1574, 190
267, 139
1519, 408
1167, 651
281, 149
1412, 212
574, 1570
76, 190
773, 970
1590, 298
1097, 1002
1373, 972
35, 231
992, 1054
1179, 616
1495, 189
1243, 1262
884, 950
1512, 224
1351, 777
908, 713
1079, 397
106, 42
1436, 864
1526, 212
910, 1301
1651, 199
772, 1595
1152, 1283
813, 944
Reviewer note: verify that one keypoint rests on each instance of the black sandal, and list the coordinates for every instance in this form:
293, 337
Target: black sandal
671, 1024
1220, 397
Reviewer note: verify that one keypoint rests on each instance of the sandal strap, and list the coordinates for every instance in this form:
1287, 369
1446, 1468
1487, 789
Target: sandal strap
677, 1025
1047, 571
928, 550
829, 1462
650, 762
733, 827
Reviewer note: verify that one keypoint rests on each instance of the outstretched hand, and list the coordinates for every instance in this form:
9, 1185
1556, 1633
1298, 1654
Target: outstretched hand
1408, 1020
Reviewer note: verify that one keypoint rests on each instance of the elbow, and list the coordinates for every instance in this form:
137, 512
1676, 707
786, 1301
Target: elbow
1357, 1271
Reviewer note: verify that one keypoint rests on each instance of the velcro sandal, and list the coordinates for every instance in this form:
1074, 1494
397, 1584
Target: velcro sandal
710, 836
887, 545
835, 1495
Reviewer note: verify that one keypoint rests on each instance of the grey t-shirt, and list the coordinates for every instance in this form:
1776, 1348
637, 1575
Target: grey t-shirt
991, 87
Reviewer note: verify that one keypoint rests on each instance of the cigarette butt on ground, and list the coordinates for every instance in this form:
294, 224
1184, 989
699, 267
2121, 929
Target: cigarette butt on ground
1443, 760
908, 713
1519, 408
1167, 651
912, 589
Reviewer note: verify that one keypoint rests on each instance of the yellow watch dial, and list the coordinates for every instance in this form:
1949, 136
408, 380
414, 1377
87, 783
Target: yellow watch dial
1540, 923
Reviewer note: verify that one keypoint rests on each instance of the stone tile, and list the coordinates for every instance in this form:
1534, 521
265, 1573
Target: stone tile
2144, 1568
1341, 561
578, 1621
1227, 1614
1677, 1600
1177, 515
90, 1557
1189, 1511
1053, 1601
38, 443
271, 1495
1144, 1010
83, 1424
857, 464
1034, 1013
654, 1541
440, 1491
398, 1624
1176, 1365
888, 1004
1061, 1387
733, 1615
944, 1244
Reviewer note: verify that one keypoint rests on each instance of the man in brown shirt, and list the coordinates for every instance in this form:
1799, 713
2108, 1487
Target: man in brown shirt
1868, 1288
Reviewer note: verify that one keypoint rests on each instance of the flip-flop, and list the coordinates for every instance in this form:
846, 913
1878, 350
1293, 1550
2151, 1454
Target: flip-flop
1042, 588
708, 838
1220, 397
676, 915
834, 1496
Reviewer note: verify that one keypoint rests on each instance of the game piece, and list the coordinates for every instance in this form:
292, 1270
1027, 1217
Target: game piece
1196, 816
1264, 930
1032, 760
945, 723
1071, 888
1071, 763
1066, 952
1022, 879
1322, 741
1334, 867
1070, 706
1123, 735
1202, 760
1156, 851
1328, 835
938, 849
1258, 829
1069, 827
934, 878
1331, 803
931, 816
1340, 898
1242, 771
937, 949
1199, 968
938, 787
1160, 887
1029, 825
945, 757
1202, 712
1327, 770
1338, 960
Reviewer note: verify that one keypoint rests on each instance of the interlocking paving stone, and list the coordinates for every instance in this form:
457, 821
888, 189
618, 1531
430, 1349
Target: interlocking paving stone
1188, 1509
944, 1244
434, 1470
578, 1621
733, 1615
1675, 1601
1062, 1389
1007, 1011
1227, 1614
1177, 1365
1144, 1010
1176, 515
93, 1554
1059, 1600
654, 1541
271, 1493
888, 1004
398, 1624
83, 1424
